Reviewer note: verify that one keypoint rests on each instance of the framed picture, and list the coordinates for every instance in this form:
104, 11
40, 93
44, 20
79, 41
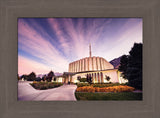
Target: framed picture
70, 59
15, 12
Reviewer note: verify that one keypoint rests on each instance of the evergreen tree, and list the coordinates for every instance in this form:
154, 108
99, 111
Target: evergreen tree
44, 77
25, 77
131, 66
134, 68
50, 75
31, 76
123, 65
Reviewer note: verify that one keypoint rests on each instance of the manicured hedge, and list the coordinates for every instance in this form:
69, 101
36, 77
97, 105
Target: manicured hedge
82, 84
105, 84
45, 85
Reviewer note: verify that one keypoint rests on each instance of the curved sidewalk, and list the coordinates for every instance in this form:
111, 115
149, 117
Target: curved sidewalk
63, 93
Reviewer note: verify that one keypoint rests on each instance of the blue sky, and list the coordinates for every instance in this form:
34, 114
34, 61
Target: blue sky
46, 44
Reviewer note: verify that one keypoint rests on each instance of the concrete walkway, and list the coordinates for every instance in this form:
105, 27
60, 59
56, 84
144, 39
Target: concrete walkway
63, 93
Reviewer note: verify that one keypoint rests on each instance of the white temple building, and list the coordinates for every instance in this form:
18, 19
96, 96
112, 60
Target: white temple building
96, 67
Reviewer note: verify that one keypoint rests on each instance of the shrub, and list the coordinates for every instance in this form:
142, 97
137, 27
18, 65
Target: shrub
105, 84
82, 79
82, 84
45, 85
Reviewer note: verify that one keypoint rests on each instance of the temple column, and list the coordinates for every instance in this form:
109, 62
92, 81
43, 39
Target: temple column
98, 63
73, 67
102, 65
86, 64
92, 78
83, 65
90, 63
77, 66
80, 63
70, 68
95, 76
94, 63
102, 80
98, 77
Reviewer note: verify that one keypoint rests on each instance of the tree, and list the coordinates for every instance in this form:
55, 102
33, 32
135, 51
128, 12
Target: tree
81, 79
134, 68
25, 77
107, 78
131, 66
123, 65
31, 76
18, 77
89, 78
50, 75
38, 79
44, 77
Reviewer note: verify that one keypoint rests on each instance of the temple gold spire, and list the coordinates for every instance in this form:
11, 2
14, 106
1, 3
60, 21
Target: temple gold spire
90, 53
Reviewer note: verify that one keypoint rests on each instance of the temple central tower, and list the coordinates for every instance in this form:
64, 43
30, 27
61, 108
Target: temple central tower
90, 63
90, 54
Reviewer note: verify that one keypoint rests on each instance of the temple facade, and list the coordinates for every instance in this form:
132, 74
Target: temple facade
90, 64
96, 67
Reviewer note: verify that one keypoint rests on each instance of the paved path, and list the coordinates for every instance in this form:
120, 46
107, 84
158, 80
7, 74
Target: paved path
63, 93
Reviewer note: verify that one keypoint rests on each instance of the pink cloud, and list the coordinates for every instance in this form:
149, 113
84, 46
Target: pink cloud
74, 42
26, 66
36, 45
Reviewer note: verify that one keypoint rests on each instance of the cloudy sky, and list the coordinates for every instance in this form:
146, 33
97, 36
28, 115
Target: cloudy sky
46, 44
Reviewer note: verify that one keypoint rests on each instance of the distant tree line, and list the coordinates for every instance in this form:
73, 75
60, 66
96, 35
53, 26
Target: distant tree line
131, 66
32, 77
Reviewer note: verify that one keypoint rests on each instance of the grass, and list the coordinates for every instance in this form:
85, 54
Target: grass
108, 96
45, 85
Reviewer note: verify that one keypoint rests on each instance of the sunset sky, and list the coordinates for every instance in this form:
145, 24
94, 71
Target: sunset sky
46, 44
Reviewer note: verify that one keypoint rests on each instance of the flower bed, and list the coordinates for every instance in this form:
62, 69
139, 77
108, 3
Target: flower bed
105, 89
45, 85
98, 84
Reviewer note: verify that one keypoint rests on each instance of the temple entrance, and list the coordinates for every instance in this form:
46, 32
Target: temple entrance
67, 78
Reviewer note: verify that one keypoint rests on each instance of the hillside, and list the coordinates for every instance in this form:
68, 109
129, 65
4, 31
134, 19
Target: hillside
116, 62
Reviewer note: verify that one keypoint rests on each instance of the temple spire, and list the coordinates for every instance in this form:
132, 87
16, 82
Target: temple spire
90, 54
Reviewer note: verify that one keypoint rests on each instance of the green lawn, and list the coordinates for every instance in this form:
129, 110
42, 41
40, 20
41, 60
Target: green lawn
108, 96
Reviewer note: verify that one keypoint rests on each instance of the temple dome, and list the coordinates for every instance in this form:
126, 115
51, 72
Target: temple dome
90, 64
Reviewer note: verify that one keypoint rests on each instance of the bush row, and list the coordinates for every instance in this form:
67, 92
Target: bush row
92, 89
45, 85
82, 84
